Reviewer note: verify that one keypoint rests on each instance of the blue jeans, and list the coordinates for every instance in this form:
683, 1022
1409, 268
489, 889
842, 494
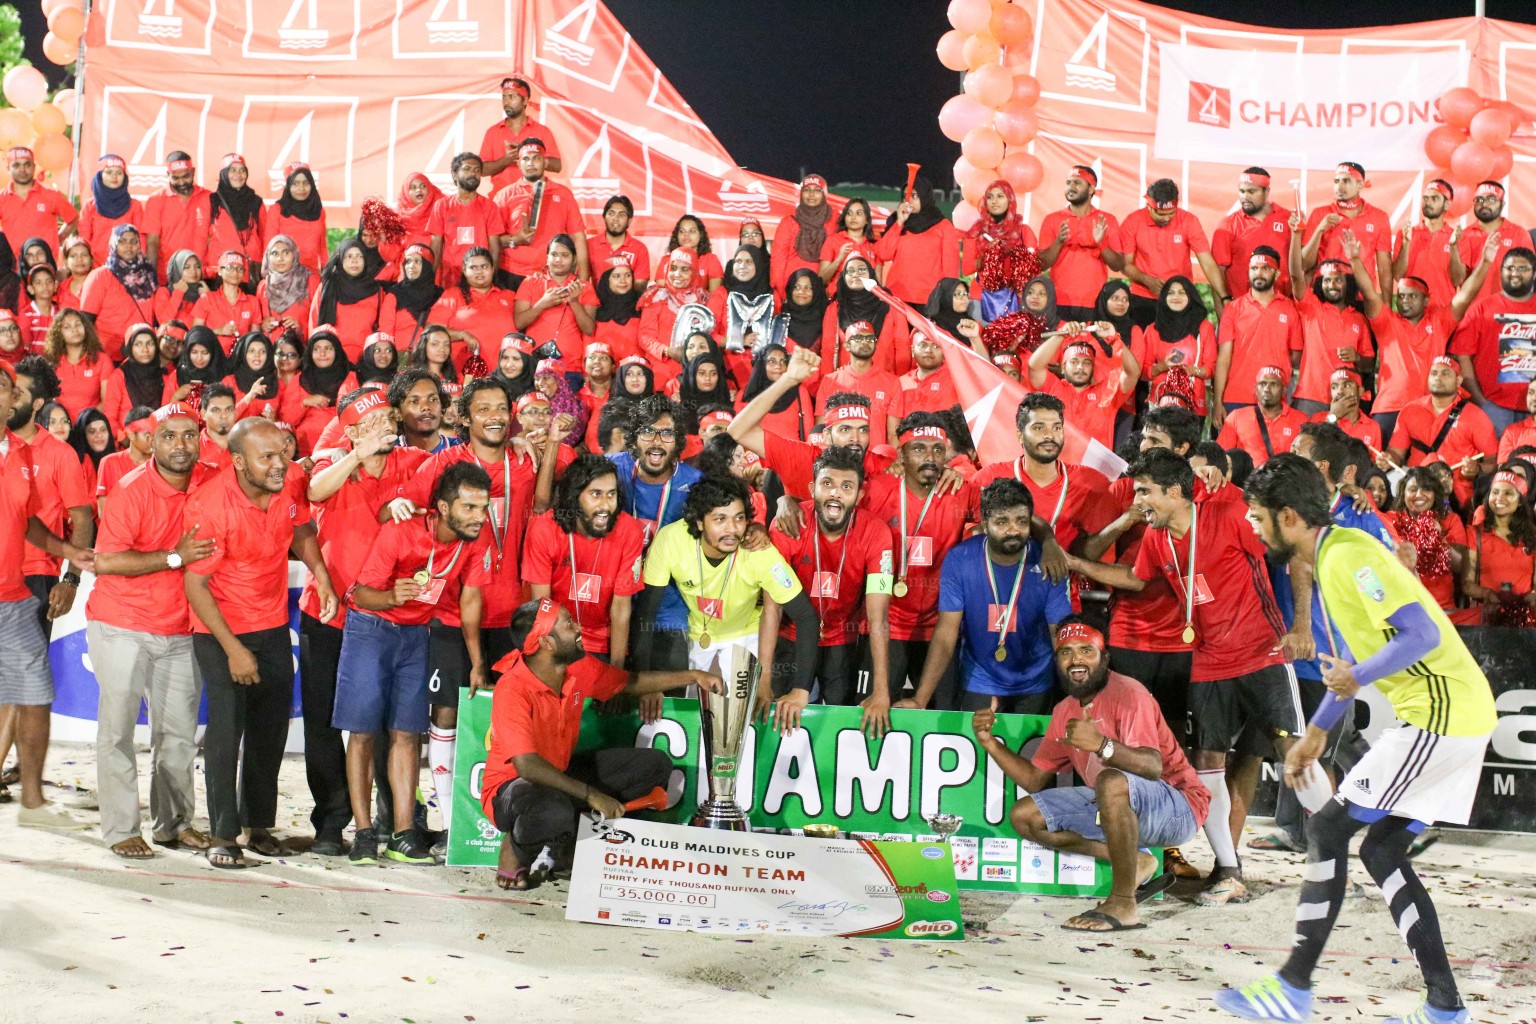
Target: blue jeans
381, 678
1163, 815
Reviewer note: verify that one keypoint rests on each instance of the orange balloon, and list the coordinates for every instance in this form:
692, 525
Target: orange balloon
1011, 25
49, 6
67, 23
1016, 123
1023, 171
53, 153
64, 99
1026, 90
1461, 204
58, 51
1458, 105
959, 115
95, 29
15, 128
1471, 162
983, 146
990, 85
1491, 126
970, 16
973, 180
1503, 162
979, 51
964, 215
1441, 142
950, 52
48, 119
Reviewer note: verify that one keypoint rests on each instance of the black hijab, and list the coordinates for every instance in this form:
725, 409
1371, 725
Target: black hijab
691, 397
650, 381
145, 382
858, 305
759, 381
940, 307
309, 209
186, 373
520, 385
242, 204
805, 322
245, 377
368, 373
338, 288
1171, 326
29, 243
1123, 324
325, 381
77, 434
925, 216
612, 307
414, 297
759, 285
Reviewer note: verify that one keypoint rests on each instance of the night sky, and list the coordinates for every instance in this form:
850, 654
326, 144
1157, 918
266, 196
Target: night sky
851, 88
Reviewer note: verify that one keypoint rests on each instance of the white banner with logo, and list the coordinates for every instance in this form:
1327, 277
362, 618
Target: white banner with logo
1245, 107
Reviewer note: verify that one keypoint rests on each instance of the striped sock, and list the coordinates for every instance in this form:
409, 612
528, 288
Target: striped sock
440, 747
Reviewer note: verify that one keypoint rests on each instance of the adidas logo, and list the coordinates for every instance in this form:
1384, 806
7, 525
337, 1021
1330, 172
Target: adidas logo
442, 770
1364, 786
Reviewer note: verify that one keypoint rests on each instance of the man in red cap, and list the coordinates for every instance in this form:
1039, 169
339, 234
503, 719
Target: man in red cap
534, 782
1267, 324
30, 209
1090, 403
1324, 228
140, 633
1255, 222
1344, 408
463, 221
535, 210
1082, 245
1488, 208
1428, 250
613, 241
177, 217
1268, 427
1139, 789
499, 147
1158, 241
798, 239
861, 376
1333, 329
1446, 426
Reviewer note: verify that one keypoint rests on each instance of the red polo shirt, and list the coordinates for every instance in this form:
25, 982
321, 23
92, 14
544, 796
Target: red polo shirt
18, 503
929, 536
1260, 335
1419, 424
834, 572
112, 470
1474, 237
1161, 250
214, 309
462, 226
1092, 408
115, 310
81, 384
400, 550
933, 393
1241, 430
1429, 258
1151, 619
558, 214
145, 514
248, 570
1362, 427
1237, 235
558, 324
96, 229
629, 250
527, 717
1498, 335
498, 137
35, 215
487, 317
1076, 503
61, 485
211, 453
1406, 350
603, 568
1370, 226
1079, 270
1324, 330
794, 461
179, 222
881, 387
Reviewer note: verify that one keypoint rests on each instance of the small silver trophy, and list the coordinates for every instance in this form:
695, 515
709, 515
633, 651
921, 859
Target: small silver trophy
944, 825
724, 727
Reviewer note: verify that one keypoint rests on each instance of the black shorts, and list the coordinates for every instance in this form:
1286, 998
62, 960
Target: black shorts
836, 671
1022, 704
1222, 708
447, 665
1165, 674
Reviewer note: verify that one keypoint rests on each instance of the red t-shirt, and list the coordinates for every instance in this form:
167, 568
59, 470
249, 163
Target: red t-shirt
1076, 503
115, 310
1500, 562
34, 324
81, 384
1237, 623
61, 484
116, 404
919, 261
1092, 408
1517, 436
527, 717
1361, 427
1498, 334
1079, 271
1429, 259
1406, 350
603, 568
558, 215
557, 324
630, 251
1370, 225
224, 237
1474, 237
173, 305
18, 503
881, 387
462, 226
1260, 335
308, 235
180, 222
1324, 330
893, 344
834, 572
1237, 235
1418, 425
794, 460
933, 393
1153, 618
145, 514
215, 310
485, 316
784, 258
928, 537
1125, 712
111, 472
1242, 430
211, 452
1189, 351
248, 570
501, 141
35, 215
96, 229
403, 549
1162, 251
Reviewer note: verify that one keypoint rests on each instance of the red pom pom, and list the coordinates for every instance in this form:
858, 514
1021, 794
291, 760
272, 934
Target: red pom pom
1013, 332
380, 218
1008, 266
474, 366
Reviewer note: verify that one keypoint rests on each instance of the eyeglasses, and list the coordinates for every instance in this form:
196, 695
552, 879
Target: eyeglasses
287, 355
649, 434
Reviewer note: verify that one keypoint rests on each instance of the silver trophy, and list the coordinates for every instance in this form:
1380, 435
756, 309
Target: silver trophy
724, 717
944, 825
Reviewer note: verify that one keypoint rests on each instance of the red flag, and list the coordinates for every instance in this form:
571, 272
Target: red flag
991, 400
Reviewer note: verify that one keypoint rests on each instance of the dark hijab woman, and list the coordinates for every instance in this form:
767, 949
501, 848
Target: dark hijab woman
91, 436
246, 375
144, 381
10, 281
615, 307
518, 382
340, 288
761, 380
940, 308
926, 215
35, 251
636, 379
378, 364
855, 304
1109, 295
693, 396
202, 346
241, 205
755, 286
1176, 325
416, 291
805, 307
324, 380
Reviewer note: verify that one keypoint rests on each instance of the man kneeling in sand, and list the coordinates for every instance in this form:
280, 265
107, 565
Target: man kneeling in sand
1140, 789
532, 789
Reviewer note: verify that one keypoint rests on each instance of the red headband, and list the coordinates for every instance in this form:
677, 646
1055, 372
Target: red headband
543, 625
847, 414
112, 160
1077, 346
814, 181
599, 348
1413, 284
1345, 373
1489, 188
231, 258
1005, 359
174, 410
533, 144
417, 250
1334, 267
1079, 632
531, 398
379, 338
1087, 173
1153, 204
718, 416
553, 366
1445, 361
516, 85
924, 433
230, 159
1270, 371
520, 342
177, 166
1261, 180
681, 255
1440, 188
18, 153
295, 168
1353, 172
353, 412
1263, 260
859, 328
1514, 480
169, 330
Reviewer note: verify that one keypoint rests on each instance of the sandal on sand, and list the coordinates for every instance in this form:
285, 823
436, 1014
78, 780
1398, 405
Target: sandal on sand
1278, 840
516, 880
268, 845
10, 776
188, 838
133, 848
1102, 918
1155, 885
227, 857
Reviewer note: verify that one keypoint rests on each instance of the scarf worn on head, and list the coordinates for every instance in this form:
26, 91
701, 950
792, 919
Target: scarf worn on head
522, 383
310, 209
612, 307
805, 321
28, 246
245, 377
137, 276
1007, 229
813, 230
176, 266
419, 296
242, 204
186, 373
111, 203
368, 372
1122, 324
327, 380
759, 381
144, 382
759, 285
940, 307
854, 305
287, 289
926, 216
338, 288
414, 216
1171, 326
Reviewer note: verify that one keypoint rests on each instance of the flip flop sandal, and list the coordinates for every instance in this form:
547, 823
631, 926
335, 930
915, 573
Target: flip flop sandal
179, 841
1275, 842
137, 844
269, 846
234, 854
1155, 885
518, 880
1103, 918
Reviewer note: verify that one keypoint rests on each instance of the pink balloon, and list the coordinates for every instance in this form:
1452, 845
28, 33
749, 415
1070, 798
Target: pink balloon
959, 115
990, 85
1471, 162
970, 16
973, 180
1016, 123
1491, 126
1503, 162
1458, 105
965, 215
1461, 204
1026, 90
1023, 171
25, 87
983, 146
980, 50
1441, 142
949, 50
1011, 25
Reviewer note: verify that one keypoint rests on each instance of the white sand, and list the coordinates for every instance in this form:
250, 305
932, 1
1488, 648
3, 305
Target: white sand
85, 936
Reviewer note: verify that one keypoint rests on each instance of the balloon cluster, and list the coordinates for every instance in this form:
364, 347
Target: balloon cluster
67, 24
994, 118
1473, 143
31, 119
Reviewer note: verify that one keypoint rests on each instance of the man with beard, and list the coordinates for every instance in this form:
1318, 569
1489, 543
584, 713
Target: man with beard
1428, 250
140, 634
1333, 329
463, 221
1210, 557
1159, 240
1138, 791
929, 386
1266, 428
587, 556
217, 406
847, 567
1083, 247
30, 209
347, 490
614, 242
418, 398
526, 242
254, 512
1496, 344
1344, 411
1255, 222
1266, 323
1446, 426
177, 217
1381, 628
26, 685
1090, 404
413, 571
861, 376
498, 150
1488, 208
534, 782
998, 607
1326, 225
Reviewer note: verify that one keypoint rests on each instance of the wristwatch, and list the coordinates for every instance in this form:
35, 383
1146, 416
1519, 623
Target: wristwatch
1107, 751
172, 560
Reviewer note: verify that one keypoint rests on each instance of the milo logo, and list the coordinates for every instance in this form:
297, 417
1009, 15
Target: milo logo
725, 766
920, 928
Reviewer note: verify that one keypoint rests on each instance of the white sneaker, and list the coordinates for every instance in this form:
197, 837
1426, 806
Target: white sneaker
48, 817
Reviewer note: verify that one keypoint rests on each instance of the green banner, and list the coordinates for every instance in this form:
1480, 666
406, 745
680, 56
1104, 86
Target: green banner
828, 772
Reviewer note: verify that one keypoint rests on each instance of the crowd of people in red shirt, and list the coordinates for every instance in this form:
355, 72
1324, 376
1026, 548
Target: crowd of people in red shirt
196, 389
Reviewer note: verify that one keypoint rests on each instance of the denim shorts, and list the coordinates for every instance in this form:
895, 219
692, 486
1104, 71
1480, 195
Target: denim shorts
1162, 812
381, 677
26, 677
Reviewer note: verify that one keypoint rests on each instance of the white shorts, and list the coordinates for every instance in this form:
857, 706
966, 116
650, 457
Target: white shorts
701, 658
1419, 775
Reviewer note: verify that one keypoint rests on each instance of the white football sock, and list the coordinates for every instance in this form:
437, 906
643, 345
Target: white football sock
440, 746
1218, 826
